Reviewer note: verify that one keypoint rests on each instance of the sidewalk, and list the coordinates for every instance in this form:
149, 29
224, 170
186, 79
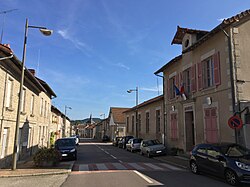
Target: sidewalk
28, 169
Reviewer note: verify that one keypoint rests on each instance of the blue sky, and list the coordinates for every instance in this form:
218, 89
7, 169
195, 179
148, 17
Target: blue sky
101, 48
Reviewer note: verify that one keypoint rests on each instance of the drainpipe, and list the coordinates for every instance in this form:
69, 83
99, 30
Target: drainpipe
164, 112
231, 64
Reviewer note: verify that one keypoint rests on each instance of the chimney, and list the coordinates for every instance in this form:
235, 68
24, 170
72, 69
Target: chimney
33, 71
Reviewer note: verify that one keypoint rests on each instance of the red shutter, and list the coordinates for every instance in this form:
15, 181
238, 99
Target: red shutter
193, 78
216, 58
177, 80
200, 75
181, 79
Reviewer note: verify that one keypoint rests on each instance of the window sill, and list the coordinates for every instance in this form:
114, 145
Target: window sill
10, 109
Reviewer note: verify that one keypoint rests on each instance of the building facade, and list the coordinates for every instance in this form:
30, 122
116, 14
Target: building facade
150, 119
35, 109
207, 84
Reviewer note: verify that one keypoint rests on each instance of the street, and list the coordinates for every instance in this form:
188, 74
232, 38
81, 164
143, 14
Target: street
101, 164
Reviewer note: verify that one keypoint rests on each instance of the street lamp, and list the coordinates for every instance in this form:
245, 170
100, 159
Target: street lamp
46, 32
65, 116
104, 128
136, 109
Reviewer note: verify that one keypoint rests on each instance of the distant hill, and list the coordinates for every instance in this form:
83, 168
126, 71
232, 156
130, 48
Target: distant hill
75, 122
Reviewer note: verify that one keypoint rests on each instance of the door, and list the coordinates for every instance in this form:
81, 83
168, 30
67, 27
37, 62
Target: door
4, 143
189, 123
214, 166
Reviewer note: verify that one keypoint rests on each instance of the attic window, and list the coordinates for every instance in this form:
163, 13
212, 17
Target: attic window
186, 43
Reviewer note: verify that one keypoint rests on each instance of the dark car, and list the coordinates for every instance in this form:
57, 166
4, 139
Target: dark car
67, 148
123, 141
105, 138
116, 140
228, 160
152, 148
134, 144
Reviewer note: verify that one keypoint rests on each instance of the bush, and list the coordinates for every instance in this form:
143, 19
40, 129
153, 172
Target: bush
46, 157
52, 139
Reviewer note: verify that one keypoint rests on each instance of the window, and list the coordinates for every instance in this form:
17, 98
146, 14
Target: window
213, 153
127, 124
171, 88
23, 100
139, 122
208, 72
133, 123
147, 122
202, 150
173, 126
158, 121
5, 138
41, 107
45, 109
187, 81
32, 101
9, 94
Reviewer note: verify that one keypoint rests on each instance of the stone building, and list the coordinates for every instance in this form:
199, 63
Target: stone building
207, 84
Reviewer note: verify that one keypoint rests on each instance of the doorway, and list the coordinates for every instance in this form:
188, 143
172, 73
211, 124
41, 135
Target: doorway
189, 122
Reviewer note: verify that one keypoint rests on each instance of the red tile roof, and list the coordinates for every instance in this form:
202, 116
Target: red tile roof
118, 114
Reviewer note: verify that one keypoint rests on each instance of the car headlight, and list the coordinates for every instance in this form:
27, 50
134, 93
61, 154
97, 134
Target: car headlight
72, 150
243, 166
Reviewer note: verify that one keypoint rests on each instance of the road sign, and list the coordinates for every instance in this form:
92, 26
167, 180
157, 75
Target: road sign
235, 122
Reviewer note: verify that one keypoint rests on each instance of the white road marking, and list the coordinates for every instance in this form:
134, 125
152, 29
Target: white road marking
84, 167
153, 166
101, 167
171, 167
136, 166
143, 176
113, 157
119, 166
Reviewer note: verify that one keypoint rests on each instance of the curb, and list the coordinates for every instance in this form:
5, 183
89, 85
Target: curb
66, 171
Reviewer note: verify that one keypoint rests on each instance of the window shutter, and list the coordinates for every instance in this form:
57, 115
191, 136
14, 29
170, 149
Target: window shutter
168, 89
200, 76
217, 78
193, 78
181, 79
177, 80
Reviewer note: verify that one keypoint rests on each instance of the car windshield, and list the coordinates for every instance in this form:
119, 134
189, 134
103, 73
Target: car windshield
137, 140
153, 142
236, 151
65, 142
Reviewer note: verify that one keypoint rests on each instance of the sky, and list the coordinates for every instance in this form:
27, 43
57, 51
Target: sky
102, 48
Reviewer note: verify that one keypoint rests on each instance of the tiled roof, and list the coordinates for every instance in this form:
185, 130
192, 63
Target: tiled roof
145, 103
168, 64
182, 31
47, 87
118, 114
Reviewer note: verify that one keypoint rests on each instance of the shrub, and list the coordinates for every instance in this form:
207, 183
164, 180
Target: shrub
52, 139
46, 157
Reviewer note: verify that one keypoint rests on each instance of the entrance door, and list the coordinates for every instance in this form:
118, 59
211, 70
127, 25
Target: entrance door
189, 121
4, 143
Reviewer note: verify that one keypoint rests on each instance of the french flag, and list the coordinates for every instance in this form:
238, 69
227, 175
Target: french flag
182, 93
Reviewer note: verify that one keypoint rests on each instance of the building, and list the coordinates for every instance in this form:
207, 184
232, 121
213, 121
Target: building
150, 119
207, 84
117, 122
35, 109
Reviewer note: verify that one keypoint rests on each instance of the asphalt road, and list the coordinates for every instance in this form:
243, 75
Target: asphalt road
101, 164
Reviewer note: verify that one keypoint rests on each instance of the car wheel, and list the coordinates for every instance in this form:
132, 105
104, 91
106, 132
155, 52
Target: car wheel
141, 153
148, 154
231, 177
194, 167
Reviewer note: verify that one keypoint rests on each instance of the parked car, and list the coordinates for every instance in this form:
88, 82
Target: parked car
105, 138
228, 160
152, 148
133, 144
116, 140
67, 148
123, 141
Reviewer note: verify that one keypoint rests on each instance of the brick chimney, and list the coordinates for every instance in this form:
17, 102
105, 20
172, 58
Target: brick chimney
33, 71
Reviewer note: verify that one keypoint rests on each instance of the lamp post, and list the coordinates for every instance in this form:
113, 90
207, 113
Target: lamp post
45, 32
136, 109
65, 116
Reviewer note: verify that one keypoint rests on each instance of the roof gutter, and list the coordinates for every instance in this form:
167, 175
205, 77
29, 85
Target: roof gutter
7, 57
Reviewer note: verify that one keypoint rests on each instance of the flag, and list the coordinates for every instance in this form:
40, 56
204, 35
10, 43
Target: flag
182, 93
177, 91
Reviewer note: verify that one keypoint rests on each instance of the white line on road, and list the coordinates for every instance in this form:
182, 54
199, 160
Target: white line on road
144, 177
113, 157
